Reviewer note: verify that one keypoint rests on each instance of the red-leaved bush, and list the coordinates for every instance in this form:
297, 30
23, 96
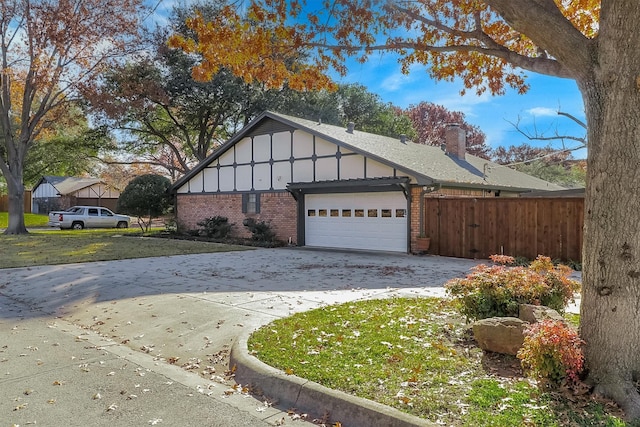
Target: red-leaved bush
499, 290
552, 352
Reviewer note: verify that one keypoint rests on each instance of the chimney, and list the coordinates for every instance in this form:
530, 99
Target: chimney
456, 140
403, 138
350, 127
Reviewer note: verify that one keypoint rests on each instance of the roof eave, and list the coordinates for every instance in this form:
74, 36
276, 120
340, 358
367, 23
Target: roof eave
485, 186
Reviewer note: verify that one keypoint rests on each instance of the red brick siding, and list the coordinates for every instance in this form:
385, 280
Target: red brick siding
415, 215
278, 209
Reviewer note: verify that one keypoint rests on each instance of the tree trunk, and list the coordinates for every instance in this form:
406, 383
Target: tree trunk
610, 324
15, 189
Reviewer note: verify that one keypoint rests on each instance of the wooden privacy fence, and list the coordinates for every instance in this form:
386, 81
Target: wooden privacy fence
4, 202
528, 227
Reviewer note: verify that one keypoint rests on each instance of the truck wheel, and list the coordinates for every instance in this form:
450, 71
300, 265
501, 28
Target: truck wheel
77, 225
122, 224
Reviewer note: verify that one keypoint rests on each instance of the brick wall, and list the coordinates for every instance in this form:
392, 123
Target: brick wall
415, 215
279, 209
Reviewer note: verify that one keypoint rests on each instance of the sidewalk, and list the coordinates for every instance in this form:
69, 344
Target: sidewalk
56, 374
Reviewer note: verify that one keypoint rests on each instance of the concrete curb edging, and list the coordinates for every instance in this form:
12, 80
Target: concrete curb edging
312, 398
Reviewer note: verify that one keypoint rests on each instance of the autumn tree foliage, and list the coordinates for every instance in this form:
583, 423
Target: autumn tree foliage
490, 45
430, 121
49, 49
118, 175
166, 118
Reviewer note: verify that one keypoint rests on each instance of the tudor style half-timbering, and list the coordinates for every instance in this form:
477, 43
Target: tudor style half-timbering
326, 186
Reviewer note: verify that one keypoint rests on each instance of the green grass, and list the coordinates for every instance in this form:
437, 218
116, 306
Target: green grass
53, 246
573, 319
30, 220
416, 355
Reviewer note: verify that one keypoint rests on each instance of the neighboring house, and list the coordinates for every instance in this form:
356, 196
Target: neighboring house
327, 186
61, 192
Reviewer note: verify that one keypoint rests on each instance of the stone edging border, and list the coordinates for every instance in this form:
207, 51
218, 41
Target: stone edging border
312, 398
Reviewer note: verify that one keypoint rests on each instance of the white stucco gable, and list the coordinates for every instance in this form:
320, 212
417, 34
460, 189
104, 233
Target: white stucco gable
269, 162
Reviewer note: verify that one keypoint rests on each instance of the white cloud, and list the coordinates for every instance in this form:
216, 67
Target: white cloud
396, 81
542, 112
466, 103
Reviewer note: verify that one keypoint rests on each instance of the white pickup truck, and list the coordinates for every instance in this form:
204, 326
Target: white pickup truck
79, 217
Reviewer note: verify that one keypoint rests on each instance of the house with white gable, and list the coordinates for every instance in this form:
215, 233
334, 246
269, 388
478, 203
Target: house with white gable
328, 186
61, 192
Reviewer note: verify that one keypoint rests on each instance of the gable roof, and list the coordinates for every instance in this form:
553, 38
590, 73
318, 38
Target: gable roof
67, 184
428, 164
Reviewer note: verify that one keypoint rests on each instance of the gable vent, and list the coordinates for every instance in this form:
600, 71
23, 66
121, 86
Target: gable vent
269, 126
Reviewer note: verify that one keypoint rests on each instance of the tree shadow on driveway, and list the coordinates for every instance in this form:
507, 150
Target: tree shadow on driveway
231, 278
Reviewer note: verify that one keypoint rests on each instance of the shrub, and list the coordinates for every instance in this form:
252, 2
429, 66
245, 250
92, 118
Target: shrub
217, 227
146, 196
260, 230
575, 265
552, 353
499, 290
171, 225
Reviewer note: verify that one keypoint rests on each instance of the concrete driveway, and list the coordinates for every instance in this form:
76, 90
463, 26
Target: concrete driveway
146, 341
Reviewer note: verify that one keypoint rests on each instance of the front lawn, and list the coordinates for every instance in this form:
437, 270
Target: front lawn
54, 246
417, 355
30, 220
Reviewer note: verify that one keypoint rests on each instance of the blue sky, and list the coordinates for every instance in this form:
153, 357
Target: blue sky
536, 111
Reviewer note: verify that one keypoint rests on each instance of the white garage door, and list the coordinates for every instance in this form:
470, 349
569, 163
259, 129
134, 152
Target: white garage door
376, 221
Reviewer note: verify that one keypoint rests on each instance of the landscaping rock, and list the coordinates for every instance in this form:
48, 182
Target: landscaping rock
500, 334
535, 313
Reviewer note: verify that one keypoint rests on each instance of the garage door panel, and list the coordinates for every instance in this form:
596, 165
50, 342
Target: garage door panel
375, 221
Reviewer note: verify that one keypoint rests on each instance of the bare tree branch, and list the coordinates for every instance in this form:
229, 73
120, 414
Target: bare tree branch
574, 118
